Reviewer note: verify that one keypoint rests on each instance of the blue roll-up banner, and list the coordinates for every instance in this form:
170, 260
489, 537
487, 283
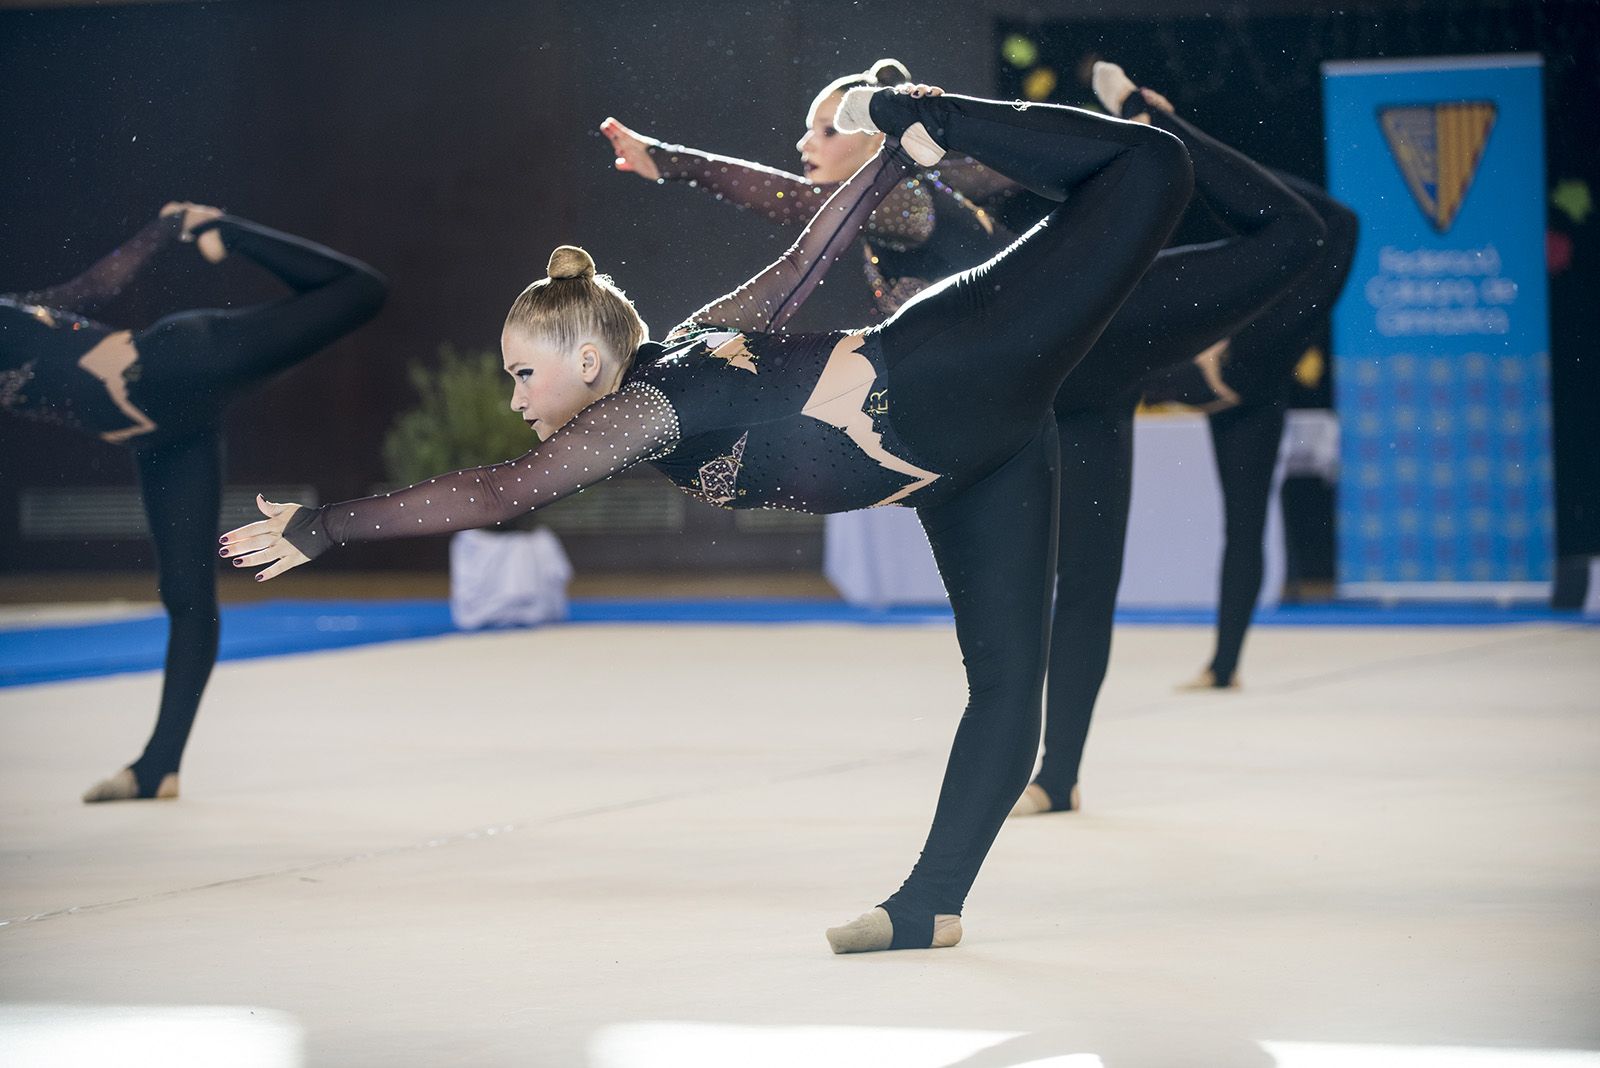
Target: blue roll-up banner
1441, 340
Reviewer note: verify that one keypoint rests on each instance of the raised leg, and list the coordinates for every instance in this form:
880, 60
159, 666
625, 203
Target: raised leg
1195, 295
987, 348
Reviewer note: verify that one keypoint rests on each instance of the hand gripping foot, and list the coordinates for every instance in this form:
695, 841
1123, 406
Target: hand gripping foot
1113, 86
854, 115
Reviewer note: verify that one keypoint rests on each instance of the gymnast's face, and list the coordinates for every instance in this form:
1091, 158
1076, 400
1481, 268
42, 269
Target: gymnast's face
551, 386
826, 155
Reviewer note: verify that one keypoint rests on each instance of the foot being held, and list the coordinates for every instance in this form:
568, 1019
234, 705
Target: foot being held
854, 115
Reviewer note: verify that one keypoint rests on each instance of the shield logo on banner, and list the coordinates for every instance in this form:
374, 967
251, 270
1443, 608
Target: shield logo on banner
1438, 148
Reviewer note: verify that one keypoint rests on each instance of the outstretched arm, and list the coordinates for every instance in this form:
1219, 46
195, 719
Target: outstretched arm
778, 196
90, 291
612, 434
771, 298
905, 217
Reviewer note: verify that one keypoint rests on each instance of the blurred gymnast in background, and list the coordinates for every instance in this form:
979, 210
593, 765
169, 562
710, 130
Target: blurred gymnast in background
162, 392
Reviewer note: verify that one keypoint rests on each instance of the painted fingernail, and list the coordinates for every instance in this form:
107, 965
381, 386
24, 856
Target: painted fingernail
222, 552
260, 577
238, 563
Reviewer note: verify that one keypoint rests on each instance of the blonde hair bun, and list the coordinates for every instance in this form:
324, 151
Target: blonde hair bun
570, 261
888, 72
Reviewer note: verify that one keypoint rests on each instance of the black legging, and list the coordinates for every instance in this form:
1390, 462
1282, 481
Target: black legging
1096, 489
1245, 439
193, 364
973, 364
1244, 442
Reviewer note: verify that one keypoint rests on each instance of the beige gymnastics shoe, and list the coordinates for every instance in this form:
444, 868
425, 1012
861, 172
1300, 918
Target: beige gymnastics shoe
1206, 681
124, 787
874, 931
1035, 802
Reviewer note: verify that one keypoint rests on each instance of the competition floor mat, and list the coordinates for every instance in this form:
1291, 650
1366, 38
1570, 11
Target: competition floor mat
33, 654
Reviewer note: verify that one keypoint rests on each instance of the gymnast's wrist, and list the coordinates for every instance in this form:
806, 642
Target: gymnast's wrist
307, 530
674, 163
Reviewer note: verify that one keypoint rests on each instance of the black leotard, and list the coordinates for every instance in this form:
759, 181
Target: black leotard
726, 408
188, 367
43, 333
960, 387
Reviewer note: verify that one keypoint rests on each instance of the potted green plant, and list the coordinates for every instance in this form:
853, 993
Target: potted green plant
505, 577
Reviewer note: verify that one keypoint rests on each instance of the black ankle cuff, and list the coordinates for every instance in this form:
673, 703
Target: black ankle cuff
913, 930
148, 778
892, 112
1060, 793
1134, 105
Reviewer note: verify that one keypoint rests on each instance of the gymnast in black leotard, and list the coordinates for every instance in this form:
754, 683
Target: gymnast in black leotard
937, 221
1247, 398
162, 391
1096, 425
1192, 297
944, 408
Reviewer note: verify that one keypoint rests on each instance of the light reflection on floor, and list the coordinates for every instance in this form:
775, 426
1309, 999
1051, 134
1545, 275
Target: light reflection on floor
658, 1044
149, 1036
668, 1044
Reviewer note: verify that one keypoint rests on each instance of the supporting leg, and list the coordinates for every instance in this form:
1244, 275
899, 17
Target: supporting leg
995, 547
1246, 442
182, 488
1096, 483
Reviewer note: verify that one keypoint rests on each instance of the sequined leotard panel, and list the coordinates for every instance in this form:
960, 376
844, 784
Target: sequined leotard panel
45, 333
790, 421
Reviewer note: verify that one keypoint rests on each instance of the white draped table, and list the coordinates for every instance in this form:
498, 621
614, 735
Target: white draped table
880, 557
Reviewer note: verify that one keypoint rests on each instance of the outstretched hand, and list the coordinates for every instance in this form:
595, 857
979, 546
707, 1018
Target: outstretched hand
632, 150
262, 542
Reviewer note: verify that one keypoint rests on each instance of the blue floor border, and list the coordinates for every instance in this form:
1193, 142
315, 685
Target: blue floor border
275, 628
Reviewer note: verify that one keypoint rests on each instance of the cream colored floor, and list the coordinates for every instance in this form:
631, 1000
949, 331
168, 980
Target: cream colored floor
619, 846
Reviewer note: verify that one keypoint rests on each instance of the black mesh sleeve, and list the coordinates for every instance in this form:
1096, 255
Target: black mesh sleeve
905, 216
768, 300
116, 271
612, 434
